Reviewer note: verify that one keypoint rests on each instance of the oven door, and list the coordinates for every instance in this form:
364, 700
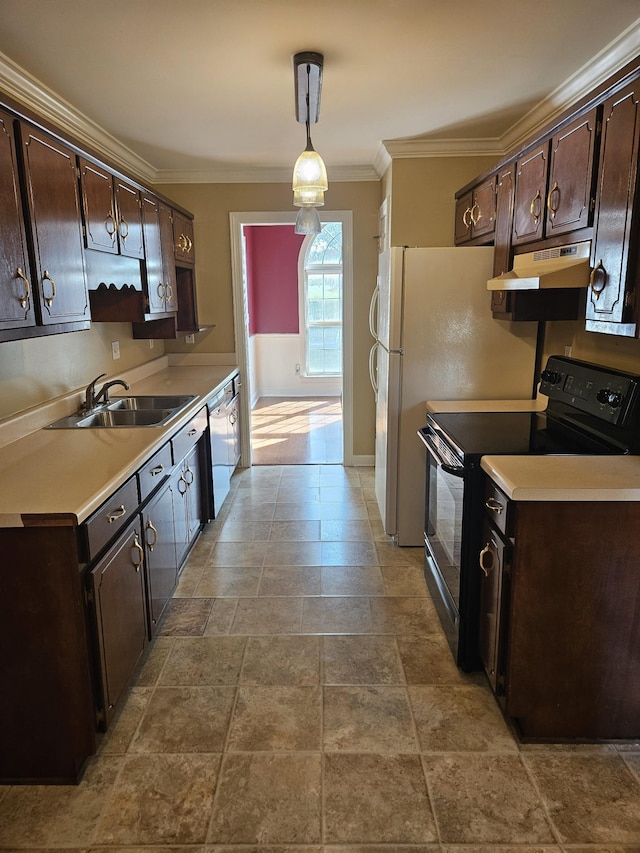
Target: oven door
448, 528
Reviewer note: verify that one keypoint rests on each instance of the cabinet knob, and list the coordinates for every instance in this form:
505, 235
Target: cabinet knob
24, 299
536, 207
598, 279
486, 552
119, 513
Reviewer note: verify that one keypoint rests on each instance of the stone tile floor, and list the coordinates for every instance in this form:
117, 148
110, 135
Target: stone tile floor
301, 695
296, 430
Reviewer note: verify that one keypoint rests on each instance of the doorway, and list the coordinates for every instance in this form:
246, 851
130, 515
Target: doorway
326, 399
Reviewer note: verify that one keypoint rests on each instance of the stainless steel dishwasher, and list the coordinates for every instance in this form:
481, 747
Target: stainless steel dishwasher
218, 423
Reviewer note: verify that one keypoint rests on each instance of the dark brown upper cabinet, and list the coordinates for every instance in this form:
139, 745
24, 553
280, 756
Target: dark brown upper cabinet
476, 214
16, 287
159, 292
112, 212
184, 247
611, 299
53, 201
529, 195
570, 196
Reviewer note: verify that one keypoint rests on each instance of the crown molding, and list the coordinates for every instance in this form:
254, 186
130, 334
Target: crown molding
417, 147
27, 90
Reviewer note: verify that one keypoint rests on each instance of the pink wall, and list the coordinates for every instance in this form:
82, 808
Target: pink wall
272, 278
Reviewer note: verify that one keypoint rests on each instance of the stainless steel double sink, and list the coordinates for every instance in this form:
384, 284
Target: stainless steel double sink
129, 412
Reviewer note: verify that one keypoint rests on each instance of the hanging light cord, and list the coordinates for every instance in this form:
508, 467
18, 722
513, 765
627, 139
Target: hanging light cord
309, 145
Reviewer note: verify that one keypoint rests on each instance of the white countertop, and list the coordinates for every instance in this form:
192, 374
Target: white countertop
70, 472
566, 478
537, 405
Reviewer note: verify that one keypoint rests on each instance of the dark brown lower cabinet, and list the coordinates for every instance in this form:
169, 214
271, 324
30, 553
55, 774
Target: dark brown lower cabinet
47, 717
566, 643
160, 551
117, 596
188, 503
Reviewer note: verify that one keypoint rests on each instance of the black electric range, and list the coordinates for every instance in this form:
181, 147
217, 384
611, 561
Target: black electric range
591, 410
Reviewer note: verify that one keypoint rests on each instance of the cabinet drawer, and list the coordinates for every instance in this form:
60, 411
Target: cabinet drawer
499, 508
183, 441
111, 517
155, 471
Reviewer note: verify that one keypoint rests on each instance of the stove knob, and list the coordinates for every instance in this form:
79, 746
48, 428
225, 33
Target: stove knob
550, 376
614, 400
603, 395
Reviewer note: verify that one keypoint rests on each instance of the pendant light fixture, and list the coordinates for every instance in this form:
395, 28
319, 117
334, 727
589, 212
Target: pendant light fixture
309, 173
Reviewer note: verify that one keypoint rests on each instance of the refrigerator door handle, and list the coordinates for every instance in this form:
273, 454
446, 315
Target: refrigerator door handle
373, 312
373, 369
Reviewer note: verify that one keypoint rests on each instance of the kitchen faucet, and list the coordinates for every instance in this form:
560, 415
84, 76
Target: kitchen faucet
92, 399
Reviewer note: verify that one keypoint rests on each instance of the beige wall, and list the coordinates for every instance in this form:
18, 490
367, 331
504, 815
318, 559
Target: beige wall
34, 371
423, 197
211, 205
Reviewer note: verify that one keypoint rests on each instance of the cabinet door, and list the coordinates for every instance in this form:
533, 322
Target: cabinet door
160, 551
100, 222
492, 634
56, 224
153, 255
193, 495
16, 298
501, 299
569, 199
184, 247
530, 195
613, 253
128, 209
168, 259
483, 209
462, 230
117, 583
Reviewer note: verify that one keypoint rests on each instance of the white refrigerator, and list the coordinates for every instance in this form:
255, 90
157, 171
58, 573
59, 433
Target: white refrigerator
435, 339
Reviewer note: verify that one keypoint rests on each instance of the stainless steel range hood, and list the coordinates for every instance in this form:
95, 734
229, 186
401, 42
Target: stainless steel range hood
565, 266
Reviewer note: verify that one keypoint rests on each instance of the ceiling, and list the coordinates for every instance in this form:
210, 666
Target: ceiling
204, 89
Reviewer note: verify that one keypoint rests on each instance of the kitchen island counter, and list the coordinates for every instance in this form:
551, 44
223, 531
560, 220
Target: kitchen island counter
69, 473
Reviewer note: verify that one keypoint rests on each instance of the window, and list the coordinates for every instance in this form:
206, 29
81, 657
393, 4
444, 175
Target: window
322, 292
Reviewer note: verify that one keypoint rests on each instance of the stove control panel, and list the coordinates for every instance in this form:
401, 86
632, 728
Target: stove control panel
602, 392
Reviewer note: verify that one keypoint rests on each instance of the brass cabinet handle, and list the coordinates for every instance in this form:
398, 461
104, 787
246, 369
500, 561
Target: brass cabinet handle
110, 224
49, 299
598, 279
139, 549
478, 217
188, 476
536, 207
192, 432
119, 513
494, 505
186, 486
157, 470
24, 300
150, 527
466, 214
183, 243
168, 293
189, 244
555, 189
485, 551
124, 233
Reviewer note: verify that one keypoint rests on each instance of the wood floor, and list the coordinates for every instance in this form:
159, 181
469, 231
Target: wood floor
296, 431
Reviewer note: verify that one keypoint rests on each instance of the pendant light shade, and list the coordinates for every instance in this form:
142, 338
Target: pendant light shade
309, 178
307, 221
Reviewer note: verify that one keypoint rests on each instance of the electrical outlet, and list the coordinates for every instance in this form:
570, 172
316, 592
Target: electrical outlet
151, 343
115, 350
568, 351
190, 339
297, 368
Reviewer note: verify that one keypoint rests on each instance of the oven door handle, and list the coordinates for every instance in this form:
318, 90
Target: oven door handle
454, 470
447, 467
